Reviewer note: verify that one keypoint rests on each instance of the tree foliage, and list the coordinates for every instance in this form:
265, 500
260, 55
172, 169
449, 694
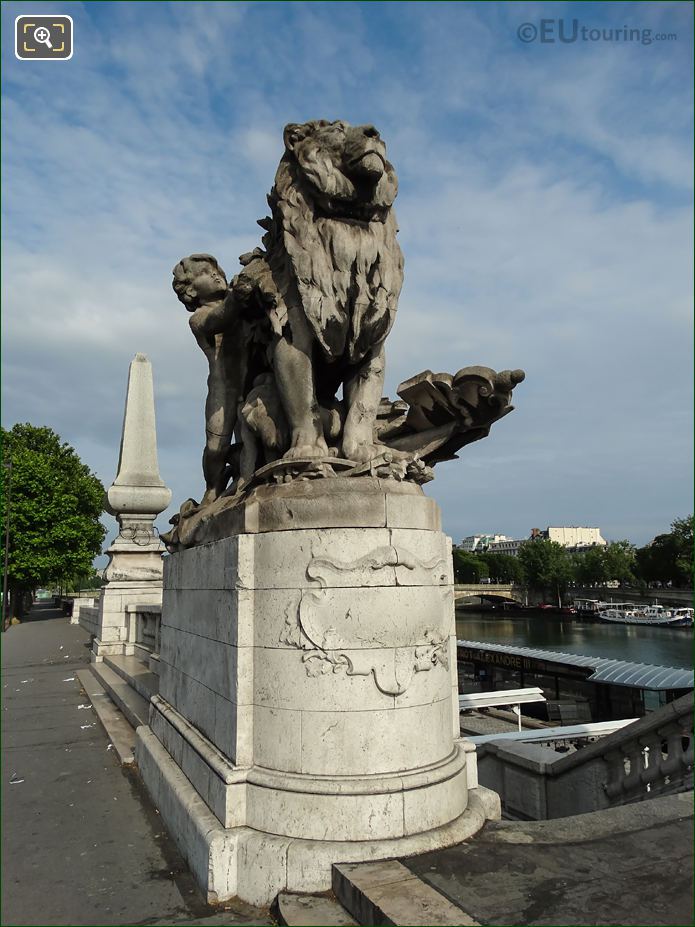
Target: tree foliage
590, 567
469, 568
547, 566
620, 561
503, 568
599, 565
55, 504
669, 557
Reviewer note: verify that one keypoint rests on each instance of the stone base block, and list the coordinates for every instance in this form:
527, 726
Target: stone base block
255, 866
101, 649
308, 703
338, 807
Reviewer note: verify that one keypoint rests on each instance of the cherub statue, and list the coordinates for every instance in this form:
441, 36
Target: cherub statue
201, 285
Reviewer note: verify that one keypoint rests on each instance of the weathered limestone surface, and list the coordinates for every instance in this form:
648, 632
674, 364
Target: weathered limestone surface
308, 686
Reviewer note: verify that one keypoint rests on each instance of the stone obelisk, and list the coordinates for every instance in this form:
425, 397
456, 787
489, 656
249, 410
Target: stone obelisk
136, 497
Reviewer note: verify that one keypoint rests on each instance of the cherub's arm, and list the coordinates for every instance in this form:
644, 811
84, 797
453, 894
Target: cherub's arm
212, 319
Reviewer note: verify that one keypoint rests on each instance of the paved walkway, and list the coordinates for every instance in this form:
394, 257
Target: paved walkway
81, 842
628, 865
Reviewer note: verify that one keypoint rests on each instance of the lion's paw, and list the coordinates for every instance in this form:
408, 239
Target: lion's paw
305, 450
361, 451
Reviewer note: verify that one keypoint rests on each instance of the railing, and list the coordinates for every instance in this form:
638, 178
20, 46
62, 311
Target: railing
144, 633
650, 757
566, 736
73, 604
656, 756
87, 617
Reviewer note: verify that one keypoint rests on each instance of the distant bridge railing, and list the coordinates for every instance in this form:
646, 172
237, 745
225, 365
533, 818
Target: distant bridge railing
664, 595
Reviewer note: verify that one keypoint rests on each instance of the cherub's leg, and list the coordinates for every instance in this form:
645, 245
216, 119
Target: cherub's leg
362, 396
215, 469
225, 383
249, 451
295, 379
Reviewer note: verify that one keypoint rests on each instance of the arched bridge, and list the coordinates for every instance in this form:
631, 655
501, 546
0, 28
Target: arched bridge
495, 593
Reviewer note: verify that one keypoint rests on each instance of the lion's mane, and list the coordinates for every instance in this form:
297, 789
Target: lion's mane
333, 246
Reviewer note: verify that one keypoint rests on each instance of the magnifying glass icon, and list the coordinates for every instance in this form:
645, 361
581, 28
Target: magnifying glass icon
43, 35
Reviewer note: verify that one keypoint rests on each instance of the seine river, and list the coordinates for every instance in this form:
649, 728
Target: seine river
662, 646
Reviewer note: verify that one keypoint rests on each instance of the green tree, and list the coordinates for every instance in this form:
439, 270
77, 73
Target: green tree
590, 567
547, 567
599, 565
91, 580
55, 504
619, 560
469, 568
683, 530
503, 568
669, 557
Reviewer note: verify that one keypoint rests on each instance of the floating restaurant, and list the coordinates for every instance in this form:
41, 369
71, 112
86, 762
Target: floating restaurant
577, 687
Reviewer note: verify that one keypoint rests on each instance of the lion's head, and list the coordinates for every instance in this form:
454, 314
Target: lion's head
342, 167
332, 238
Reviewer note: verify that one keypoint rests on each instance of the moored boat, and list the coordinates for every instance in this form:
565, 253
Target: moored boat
655, 615
682, 617
589, 606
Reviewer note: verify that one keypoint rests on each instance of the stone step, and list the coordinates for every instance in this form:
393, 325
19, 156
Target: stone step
119, 731
136, 673
387, 893
310, 911
135, 708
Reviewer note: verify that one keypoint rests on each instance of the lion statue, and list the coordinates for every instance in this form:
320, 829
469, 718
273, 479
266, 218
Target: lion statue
337, 272
307, 316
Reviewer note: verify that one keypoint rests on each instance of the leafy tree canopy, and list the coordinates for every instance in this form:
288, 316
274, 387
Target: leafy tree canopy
469, 568
546, 565
669, 557
620, 562
56, 502
503, 568
590, 567
599, 565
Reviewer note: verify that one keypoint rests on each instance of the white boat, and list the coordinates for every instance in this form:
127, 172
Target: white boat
627, 613
623, 613
683, 617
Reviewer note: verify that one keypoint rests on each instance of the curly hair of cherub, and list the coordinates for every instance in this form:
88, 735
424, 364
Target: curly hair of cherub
183, 276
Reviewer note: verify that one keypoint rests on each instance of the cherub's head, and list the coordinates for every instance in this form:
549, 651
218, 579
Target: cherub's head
198, 279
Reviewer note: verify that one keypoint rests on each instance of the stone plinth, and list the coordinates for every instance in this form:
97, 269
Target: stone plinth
308, 706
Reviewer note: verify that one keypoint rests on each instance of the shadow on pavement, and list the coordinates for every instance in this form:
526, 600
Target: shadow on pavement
43, 611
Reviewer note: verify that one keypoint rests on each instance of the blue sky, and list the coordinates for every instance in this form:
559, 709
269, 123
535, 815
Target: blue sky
545, 209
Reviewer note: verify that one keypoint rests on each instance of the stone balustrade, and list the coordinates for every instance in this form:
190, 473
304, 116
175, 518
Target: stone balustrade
651, 757
144, 631
88, 618
656, 758
141, 634
72, 604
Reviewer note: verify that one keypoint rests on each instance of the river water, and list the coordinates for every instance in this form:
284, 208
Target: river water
661, 646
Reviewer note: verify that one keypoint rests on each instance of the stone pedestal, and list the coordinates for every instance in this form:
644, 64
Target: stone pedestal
308, 706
